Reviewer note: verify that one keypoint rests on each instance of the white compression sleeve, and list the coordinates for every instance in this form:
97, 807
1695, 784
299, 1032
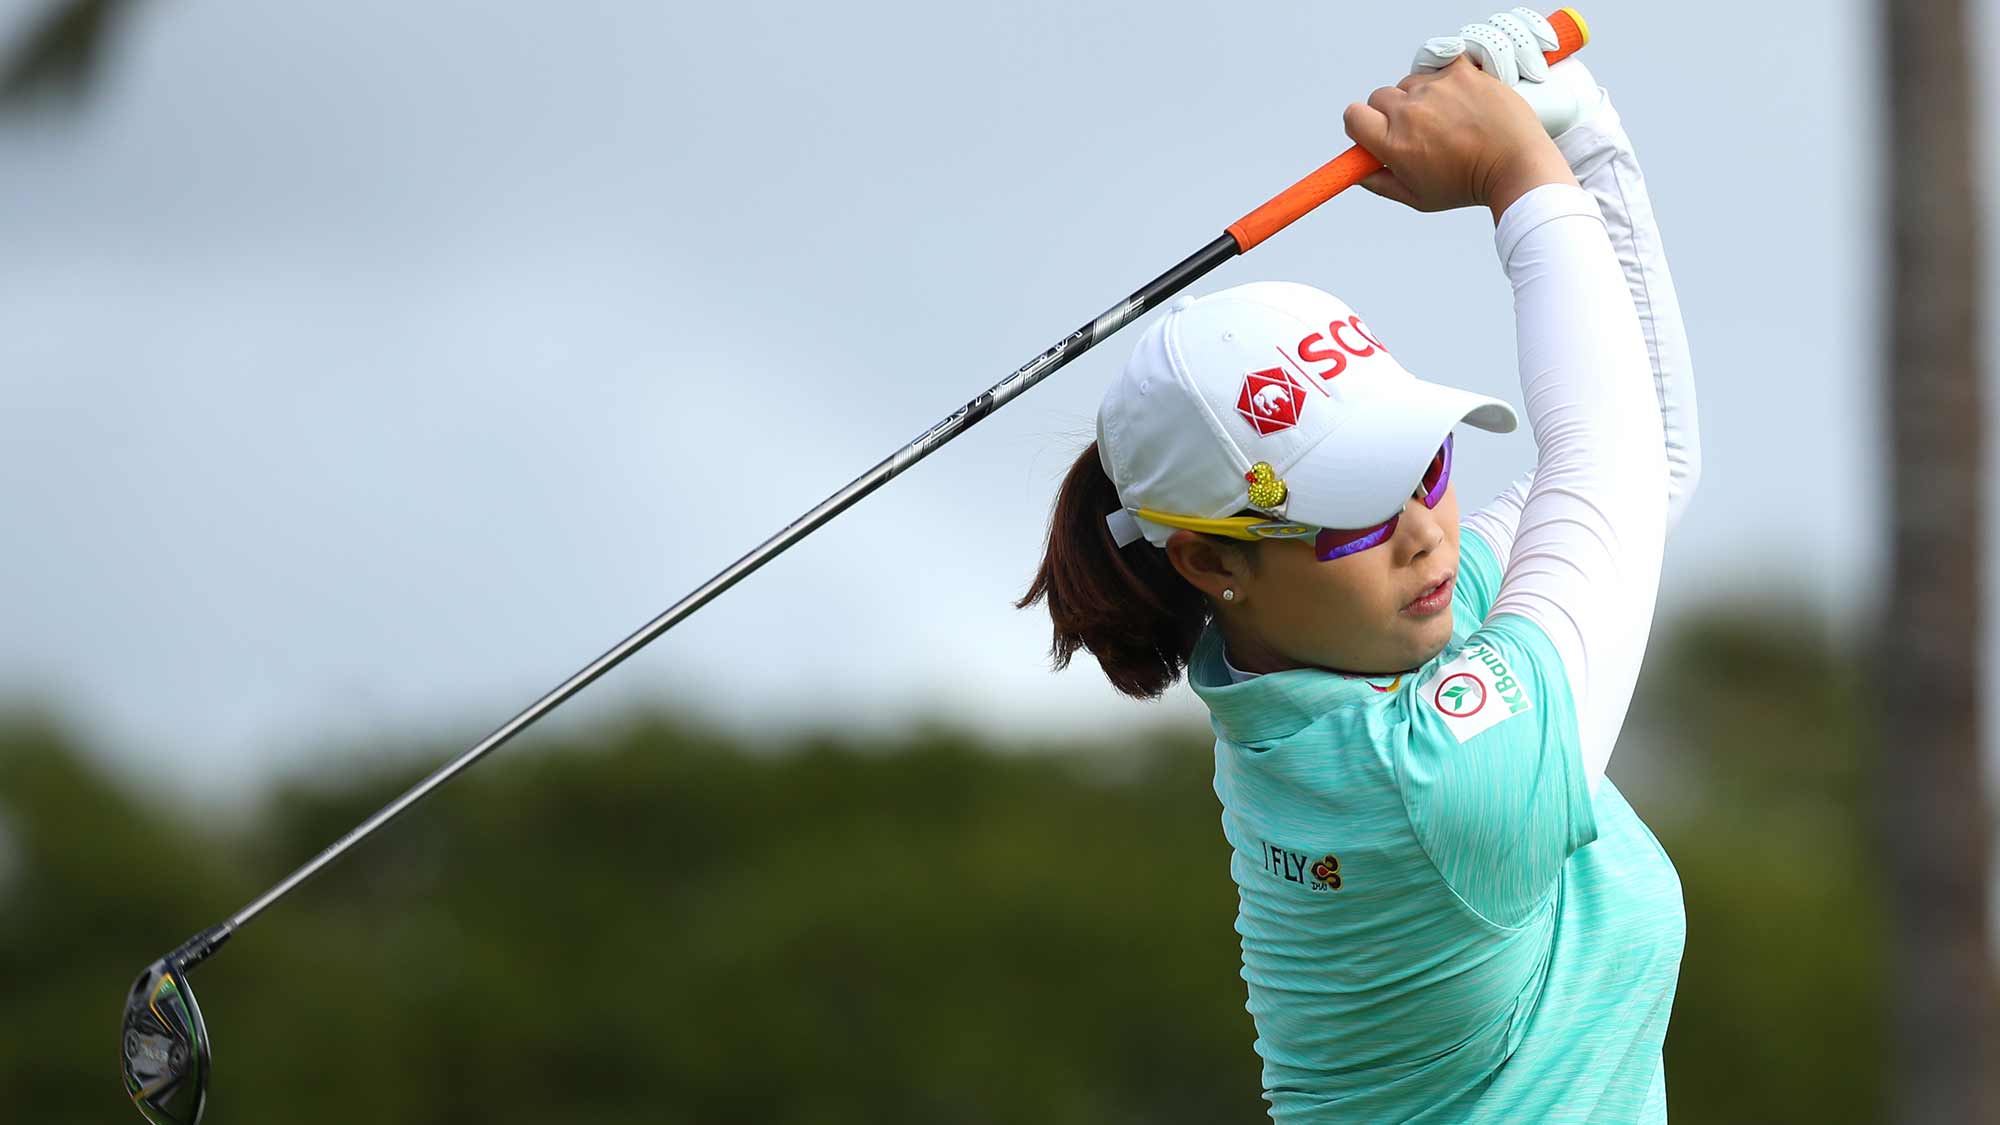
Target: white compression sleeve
1601, 155
1585, 560
1500, 518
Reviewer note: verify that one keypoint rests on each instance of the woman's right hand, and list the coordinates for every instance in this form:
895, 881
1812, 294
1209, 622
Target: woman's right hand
1456, 138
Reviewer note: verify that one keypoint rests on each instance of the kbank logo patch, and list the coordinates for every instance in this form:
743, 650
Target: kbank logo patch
1460, 695
1475, 692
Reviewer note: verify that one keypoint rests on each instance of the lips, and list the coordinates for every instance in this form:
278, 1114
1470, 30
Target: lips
1434, 597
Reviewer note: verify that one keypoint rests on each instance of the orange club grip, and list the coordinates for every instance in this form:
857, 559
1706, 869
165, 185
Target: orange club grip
1356, 164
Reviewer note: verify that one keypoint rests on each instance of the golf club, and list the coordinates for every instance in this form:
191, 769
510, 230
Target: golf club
165, 1045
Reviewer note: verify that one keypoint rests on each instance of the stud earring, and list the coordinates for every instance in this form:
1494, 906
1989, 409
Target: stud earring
1229, 595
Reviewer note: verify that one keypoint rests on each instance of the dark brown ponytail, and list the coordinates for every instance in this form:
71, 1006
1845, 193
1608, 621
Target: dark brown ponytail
1128, 606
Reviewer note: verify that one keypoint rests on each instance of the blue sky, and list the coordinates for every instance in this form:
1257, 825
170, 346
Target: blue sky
369, 368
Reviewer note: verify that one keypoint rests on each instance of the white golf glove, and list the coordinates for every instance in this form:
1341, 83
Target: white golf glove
1509, 46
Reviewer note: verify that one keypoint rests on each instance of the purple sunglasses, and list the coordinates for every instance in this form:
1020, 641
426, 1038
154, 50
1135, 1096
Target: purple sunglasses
1332, 543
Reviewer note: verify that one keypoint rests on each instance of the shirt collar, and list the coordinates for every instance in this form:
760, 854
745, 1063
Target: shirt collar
1274, 704
1236, 675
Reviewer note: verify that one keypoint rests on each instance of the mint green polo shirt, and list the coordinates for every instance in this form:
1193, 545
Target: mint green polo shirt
1439, 922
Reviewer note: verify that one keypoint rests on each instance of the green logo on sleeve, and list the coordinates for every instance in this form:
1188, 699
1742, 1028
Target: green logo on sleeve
1504, 683
1474, 691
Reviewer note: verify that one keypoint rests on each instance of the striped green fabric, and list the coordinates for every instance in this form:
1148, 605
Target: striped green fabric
1439, 922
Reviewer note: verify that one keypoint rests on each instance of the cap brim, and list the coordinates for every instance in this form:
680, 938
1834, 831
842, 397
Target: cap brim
1360, 473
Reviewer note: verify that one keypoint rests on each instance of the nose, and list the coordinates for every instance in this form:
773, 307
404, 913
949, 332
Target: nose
1418, 532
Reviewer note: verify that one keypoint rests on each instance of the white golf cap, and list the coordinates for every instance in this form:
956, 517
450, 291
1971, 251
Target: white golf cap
1274, 374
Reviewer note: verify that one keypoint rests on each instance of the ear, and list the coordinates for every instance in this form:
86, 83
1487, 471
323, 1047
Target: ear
1209, 565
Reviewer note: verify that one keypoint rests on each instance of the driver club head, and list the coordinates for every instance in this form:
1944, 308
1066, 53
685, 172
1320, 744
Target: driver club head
165, 1046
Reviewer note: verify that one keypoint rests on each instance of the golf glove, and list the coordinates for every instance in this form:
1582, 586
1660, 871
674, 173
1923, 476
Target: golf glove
1509, 46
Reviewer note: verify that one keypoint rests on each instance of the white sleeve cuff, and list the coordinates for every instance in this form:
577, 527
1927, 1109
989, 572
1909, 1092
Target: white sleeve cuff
1538, 208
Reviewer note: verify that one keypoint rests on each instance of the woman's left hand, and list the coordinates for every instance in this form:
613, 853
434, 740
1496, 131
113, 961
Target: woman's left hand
1510, 46
1455, 138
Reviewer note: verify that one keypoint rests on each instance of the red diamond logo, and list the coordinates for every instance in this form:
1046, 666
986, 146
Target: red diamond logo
1272, 400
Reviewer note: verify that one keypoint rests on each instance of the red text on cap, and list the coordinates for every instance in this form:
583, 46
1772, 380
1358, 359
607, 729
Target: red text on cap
1314, 349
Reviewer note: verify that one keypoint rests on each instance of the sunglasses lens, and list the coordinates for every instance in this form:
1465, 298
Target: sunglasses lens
1333, 543
1438, 475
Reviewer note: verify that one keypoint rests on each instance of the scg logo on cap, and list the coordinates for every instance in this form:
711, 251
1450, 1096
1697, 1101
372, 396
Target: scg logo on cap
1312, 349
1271, 400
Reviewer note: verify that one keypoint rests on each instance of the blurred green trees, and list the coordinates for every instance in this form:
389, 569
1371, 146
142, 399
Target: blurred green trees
654, 924
1759, 732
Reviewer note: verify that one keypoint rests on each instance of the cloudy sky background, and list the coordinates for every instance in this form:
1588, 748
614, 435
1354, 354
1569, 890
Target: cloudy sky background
370, 367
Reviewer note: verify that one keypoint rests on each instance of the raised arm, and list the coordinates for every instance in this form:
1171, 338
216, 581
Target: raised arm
1585, 562
1506, 741
1600, 153
1500, 746
1584, 565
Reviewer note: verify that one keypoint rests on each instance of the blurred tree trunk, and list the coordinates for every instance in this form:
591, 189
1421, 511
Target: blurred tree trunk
60, 55
1932, 812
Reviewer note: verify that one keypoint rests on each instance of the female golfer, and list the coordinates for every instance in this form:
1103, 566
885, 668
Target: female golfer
1447, 912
